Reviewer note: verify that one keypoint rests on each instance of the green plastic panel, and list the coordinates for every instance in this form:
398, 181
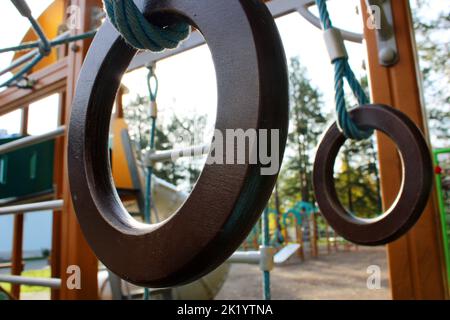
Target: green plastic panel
28, 171
442, 160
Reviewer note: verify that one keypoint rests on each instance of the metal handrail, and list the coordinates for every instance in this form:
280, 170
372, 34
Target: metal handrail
32, 207
54, 283
161, 156
31, 140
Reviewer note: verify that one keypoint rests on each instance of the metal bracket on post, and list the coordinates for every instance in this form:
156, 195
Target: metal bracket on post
381, 11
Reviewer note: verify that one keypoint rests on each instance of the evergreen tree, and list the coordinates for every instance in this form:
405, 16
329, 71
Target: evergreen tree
433, 44
307, 124
181, 172
357, 181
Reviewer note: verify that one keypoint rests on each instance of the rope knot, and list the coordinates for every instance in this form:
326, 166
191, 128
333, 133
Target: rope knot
45, 49
141, 34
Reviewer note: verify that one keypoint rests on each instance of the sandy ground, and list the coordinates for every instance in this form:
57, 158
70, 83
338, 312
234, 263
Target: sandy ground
338, 275
341, 275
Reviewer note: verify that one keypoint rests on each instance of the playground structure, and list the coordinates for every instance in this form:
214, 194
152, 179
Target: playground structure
301, 225
59, 74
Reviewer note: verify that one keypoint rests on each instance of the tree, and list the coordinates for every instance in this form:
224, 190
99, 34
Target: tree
434, 54
307, 124
182, 172
192, 127
357, 182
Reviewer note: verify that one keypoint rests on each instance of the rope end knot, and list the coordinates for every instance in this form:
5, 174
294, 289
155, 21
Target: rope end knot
139, 32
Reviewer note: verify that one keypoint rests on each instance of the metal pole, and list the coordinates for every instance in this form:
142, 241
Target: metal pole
265, 241
31, 207
31, 140
248, 257
166, 155
38, 282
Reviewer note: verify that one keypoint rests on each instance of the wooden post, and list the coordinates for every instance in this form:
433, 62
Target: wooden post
58, 169
17, 248
284, 231
17, 252
315, 248
327, 234
119, 102
336, 244
299, 232
74, 250
416, 262
347, 245
55, 262
255, 242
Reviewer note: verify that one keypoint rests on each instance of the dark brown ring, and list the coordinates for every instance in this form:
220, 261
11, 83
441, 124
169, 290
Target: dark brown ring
416, 184
228, 199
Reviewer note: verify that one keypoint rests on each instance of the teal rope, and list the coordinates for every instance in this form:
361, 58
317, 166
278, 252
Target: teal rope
24, 10
39, 55
19, 75
53, 43
153, 92
44, 45
21, 47
343, 70
138, 32
70, 39
266, 242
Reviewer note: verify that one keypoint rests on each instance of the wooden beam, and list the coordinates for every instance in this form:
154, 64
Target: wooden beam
327, 234
58, 168
49, 80
416, 262
17, 252
75, 251
299, 235
17, 248
315, 248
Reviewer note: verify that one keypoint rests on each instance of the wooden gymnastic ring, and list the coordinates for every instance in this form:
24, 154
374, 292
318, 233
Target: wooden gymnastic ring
414, 192
228, 199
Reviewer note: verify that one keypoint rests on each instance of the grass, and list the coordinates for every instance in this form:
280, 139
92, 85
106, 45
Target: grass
43, 273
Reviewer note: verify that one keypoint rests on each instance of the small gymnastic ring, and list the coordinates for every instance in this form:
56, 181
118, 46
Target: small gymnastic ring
228, 199
415, 188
